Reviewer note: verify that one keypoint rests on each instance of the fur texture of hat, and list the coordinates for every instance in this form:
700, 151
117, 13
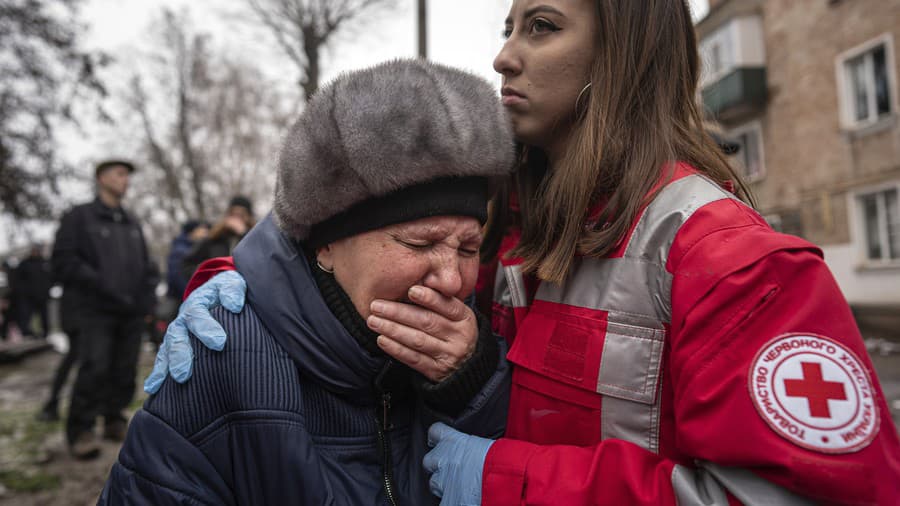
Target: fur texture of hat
378, 130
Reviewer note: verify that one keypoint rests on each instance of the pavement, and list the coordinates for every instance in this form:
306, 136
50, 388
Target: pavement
15, 351
35, 466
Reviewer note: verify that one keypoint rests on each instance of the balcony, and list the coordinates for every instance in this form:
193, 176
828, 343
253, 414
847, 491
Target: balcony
739, 93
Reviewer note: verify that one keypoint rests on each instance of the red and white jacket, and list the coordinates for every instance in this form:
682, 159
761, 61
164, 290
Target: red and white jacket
708, 360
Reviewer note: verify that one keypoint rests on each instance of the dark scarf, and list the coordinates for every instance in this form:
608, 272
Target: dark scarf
394, 377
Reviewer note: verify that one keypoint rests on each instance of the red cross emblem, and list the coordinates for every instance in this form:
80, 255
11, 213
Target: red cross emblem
816, 390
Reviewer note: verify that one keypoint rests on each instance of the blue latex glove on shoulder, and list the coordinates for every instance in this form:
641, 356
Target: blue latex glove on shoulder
455, 463
175, 355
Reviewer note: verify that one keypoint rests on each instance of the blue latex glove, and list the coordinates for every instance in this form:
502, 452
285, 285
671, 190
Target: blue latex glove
455, 464
175, 355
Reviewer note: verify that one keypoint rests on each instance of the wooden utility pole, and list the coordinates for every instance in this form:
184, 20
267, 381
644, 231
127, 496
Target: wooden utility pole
423, 29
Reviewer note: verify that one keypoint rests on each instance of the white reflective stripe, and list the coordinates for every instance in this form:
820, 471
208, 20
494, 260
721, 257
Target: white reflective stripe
509, 287
502, 294
606, 284
636, 377
696, 488
653, 236
635, 291
634, 422
655, 232
706, 485
638, 283
516, 284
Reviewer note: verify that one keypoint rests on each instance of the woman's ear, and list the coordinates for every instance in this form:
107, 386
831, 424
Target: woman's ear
325, 258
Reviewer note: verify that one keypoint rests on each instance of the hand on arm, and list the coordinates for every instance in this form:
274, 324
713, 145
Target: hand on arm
175, 355
455, 464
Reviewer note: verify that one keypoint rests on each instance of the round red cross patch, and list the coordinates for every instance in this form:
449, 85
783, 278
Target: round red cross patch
815, 393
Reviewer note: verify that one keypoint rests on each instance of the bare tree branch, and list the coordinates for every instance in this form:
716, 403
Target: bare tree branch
158, 154
302, 28
208, 126
42, 73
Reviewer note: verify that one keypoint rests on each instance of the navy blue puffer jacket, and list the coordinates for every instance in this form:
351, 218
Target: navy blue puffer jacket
286, 413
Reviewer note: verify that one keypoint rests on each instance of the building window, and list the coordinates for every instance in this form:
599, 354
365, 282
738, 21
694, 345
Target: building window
750, 154
881, 222
867, 82
786, 222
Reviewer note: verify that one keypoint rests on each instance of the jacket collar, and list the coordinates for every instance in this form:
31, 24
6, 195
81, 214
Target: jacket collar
116, 214
282, 292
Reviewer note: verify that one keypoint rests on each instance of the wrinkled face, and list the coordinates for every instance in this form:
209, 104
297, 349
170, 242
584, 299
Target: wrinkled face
114, 180
545, 63
439, 252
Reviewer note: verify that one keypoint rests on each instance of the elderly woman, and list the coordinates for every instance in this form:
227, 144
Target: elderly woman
381, 195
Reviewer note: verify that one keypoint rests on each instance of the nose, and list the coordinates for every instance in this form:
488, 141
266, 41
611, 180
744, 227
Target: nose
506, 63
445, 275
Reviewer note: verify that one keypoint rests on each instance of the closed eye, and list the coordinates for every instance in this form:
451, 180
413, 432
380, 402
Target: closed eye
416, 245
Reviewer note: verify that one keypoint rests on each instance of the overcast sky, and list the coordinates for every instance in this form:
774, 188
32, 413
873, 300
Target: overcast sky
462, 33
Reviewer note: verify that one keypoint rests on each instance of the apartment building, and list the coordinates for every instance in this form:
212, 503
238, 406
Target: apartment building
809, 89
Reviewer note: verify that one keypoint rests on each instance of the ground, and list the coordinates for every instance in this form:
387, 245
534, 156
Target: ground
35, 467
36, 470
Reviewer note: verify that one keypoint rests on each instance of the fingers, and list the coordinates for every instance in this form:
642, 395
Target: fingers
160, 369
436, 483
437, 432
436, 366
199, 322
180, 354
412, 316
419, 362
424, 340
232, 291
449, 307
410, 337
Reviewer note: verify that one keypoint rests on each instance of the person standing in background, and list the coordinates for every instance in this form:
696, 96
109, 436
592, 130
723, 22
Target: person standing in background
7, 293
33, 278
101, 258
192, 232
223, 237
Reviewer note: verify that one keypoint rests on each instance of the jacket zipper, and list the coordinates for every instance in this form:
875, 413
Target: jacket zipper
383, 426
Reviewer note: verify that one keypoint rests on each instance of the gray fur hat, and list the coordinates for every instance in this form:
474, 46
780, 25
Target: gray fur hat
398, 141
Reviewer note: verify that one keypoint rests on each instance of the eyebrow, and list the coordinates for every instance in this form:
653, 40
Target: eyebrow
534, 10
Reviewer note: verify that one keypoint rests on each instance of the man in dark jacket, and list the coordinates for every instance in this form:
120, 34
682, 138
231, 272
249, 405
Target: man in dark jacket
33, 278
108, 278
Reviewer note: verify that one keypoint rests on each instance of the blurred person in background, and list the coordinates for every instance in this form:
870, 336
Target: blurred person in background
223, 236
101, 258
33, 279
68, 319
192, 233
7, 308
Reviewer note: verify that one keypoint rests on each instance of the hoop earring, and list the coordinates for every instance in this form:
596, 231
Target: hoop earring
580, 93
322, 267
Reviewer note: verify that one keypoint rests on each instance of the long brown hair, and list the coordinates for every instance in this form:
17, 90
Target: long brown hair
641, 115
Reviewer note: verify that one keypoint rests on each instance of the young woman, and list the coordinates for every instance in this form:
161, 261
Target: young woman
667, 346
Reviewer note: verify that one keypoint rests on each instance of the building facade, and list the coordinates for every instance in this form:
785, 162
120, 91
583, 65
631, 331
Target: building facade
809, 89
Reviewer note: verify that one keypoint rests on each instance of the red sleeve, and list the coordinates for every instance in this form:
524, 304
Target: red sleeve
720, 327
734, 291
206, 270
